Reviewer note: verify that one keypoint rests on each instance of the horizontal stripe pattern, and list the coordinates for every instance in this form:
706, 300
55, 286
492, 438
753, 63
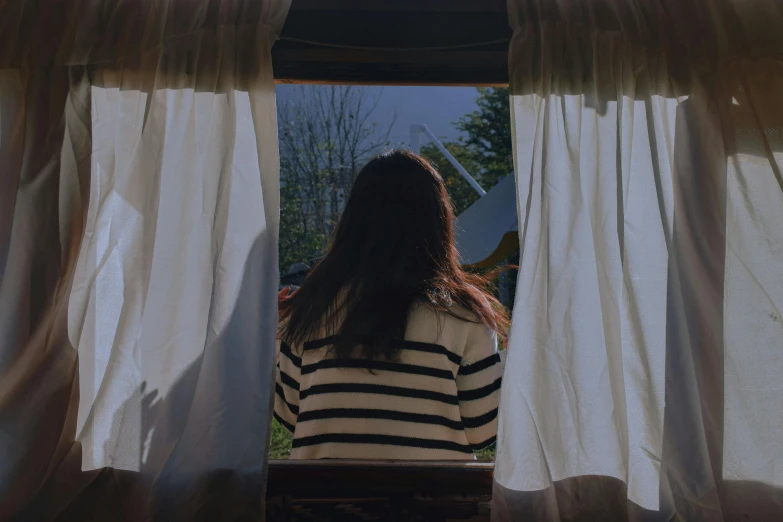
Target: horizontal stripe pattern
281, 395
481, 420
435, 400
373, 438
289, 381
378, 389
286, 350
370, 413
484, 444
287, 425
479, 393
403, 345
376, 365
483, 364
330, 450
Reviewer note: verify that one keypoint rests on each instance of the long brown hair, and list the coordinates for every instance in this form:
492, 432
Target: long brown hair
393, 247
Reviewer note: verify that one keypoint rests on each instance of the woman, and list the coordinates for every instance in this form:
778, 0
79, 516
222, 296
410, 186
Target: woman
389, 349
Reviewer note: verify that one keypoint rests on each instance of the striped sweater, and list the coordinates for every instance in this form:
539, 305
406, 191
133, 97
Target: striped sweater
437, 401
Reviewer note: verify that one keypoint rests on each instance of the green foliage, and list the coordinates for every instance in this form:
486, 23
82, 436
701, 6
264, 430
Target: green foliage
485, 151
298, 242
487, 453
329, 133
461, 193
325, 134
488, 140
279, 442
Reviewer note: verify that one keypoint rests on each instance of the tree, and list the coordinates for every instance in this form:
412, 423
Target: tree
488, 139
461, 193
486, 152
326, 135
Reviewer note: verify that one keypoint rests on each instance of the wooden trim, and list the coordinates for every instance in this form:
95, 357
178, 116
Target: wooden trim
368, 479
464, 82
405, 464
358, 75
394, 70
413, 6
432, 58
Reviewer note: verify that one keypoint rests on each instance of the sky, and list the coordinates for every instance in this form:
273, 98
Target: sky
436, 107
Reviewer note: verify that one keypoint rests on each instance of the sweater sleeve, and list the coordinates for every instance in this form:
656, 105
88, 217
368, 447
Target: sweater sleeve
289, 368
478, 387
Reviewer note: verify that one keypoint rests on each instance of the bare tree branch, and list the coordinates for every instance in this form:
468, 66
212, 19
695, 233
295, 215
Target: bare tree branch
326, 135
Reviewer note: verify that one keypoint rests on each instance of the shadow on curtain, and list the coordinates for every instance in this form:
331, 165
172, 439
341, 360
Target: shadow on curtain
644, 356
138, 223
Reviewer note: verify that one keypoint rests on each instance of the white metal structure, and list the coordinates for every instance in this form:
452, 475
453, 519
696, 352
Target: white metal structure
417, 129
481, 227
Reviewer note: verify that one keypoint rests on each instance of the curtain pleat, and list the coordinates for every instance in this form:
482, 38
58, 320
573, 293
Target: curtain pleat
45, 147
645, 342
138, 256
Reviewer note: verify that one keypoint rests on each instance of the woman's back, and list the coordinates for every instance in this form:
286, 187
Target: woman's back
437, 400
390, 351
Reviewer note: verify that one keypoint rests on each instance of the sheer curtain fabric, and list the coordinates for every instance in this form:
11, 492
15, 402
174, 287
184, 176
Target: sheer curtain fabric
138, 256
644, 357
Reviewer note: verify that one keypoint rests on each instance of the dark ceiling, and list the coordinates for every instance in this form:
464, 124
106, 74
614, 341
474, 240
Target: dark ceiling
402, 42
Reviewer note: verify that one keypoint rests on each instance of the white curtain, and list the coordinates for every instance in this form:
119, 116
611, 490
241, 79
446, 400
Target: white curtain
176, 213
138, 254
645, 353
